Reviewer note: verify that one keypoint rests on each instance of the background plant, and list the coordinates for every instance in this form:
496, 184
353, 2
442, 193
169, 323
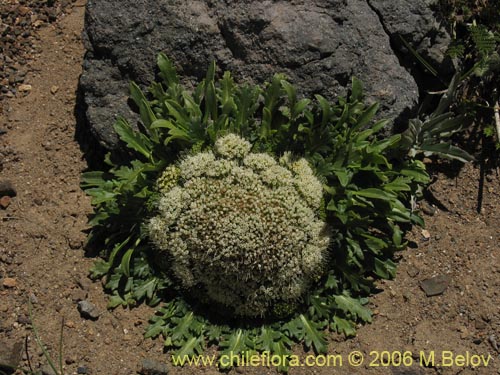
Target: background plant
475, 29
370, 184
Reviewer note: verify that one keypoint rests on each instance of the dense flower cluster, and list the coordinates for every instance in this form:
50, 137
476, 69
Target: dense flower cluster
241, 226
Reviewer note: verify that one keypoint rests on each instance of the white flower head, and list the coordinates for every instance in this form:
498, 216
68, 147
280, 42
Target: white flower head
243, 228
232, 146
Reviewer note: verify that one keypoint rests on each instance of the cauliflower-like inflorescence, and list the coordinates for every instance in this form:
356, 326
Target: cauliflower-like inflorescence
242, 228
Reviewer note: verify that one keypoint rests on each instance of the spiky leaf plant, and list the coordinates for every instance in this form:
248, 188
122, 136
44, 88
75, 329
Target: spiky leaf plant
256, 218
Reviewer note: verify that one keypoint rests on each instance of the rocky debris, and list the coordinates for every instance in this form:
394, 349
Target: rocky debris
254, 40
88, 310
18, 21
152, 367
435, 285
10, 356
7, 188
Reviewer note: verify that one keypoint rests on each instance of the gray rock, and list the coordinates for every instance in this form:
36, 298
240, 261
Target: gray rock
319, 44
10, 356
435, 285
152, 367
88, 310
415, 22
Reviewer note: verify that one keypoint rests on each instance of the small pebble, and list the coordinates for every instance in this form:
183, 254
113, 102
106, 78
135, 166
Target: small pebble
5, 202
9, 282
24, 88
88, 310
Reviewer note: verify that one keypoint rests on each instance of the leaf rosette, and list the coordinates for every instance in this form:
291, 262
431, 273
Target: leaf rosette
276, 212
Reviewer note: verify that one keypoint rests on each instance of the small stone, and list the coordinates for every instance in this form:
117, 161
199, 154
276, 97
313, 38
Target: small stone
78, 295
69, 324
24, 88
7, 188
33, 299
23, 10
88, 310
413, 271
427, 208
10, 355
75, 244
54, 89
493, 341
5, 202
23, 319
435, 285
152, 367
9, 282
47, 370
84, 283
82, 370
480, 324
426, 234
70, 360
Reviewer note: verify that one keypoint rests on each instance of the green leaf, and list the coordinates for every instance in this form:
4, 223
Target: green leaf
191, 347
92, 179
182, 327
356, 91
237, 343
155, 329
386, 269
366, 116
167, 70
344, 326
314, 335
353, 306
374, 193
446, 150
125, 263
134, 140
267, 338
99, 269
115, 301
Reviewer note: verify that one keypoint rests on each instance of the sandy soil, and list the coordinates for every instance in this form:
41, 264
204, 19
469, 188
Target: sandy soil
42, 232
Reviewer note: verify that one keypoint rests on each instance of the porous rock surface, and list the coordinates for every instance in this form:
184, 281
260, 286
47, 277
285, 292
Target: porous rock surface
319, 44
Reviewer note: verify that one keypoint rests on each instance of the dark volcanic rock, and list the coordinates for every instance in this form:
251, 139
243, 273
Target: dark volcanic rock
319, 44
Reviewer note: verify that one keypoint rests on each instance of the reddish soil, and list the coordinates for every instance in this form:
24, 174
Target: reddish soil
43, 229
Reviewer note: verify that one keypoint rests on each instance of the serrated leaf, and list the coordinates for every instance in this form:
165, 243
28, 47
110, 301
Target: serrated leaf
235, 344
386, 269
92, 179
115, 301
134, 140
344, 326
99, 269
155, 329
352, 306
314, 335
191, 347
181, 329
